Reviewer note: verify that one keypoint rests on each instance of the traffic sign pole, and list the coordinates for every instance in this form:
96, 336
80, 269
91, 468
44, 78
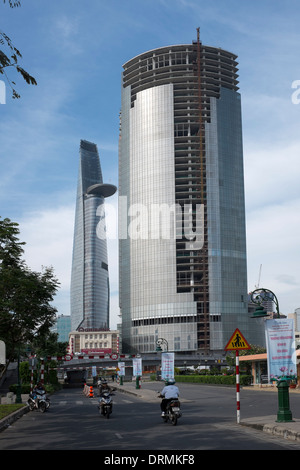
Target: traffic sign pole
42, 371
238, 405
32, 367
236, 343
31, 380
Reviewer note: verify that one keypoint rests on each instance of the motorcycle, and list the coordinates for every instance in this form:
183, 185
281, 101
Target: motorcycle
172, 412
105, 404
38, 400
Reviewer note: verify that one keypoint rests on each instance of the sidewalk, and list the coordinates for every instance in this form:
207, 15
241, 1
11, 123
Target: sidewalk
268, 424
147, 393
287, 430
143, 392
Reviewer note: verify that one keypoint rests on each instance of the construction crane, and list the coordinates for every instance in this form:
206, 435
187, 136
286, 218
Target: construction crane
257, 285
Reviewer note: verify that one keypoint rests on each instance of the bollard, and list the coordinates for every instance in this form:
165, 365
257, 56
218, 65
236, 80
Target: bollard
284, 413
137, 382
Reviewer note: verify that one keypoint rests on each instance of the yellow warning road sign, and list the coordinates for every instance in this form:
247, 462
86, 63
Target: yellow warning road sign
237, 342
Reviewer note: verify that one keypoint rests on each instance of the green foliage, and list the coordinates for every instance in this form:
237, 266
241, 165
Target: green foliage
6, 410
11, 56
11, 248
24, 372
230, 358
13, 3
50, 375
254, 349
26, 312
25, 388
48, 345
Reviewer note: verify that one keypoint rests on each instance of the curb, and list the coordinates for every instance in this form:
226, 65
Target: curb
289, 434
275, 429
286, 433
130, 392
8, 420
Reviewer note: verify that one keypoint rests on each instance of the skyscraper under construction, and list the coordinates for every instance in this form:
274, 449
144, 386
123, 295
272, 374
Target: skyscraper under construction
181, 152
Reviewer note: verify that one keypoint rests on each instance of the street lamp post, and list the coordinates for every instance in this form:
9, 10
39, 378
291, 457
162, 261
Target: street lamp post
258, 296
160, 342
19, 386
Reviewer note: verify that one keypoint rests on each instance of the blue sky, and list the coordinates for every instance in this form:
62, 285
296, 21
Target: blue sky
76, 49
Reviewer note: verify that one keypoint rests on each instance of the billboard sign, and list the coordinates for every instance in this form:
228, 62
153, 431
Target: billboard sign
281, 353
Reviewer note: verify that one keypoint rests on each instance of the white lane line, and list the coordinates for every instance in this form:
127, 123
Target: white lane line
64, 403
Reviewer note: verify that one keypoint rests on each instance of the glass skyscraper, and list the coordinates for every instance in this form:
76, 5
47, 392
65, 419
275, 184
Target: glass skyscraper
89, 278
183, 269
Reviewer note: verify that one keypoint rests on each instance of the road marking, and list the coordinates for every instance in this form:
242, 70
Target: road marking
64, 402
119, 435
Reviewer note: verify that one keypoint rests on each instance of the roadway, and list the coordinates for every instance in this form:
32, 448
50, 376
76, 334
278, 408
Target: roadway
208, 422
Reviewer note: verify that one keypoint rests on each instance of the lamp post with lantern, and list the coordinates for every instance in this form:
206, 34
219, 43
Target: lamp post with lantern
160, 342
258, 296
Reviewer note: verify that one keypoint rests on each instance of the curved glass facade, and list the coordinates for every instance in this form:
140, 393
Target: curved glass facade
181, 174
89, 278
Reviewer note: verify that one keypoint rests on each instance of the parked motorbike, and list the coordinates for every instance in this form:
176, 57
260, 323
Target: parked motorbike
173, 411
38, 400
105, 404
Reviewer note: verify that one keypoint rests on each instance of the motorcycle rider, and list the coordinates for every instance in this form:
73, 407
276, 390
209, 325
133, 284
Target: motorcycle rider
37, 391
168, 393
39, 387
103, 387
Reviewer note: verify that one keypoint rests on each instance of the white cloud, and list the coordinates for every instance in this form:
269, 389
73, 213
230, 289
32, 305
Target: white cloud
65, 34
273, 242
272, 173
48, 235
78, 66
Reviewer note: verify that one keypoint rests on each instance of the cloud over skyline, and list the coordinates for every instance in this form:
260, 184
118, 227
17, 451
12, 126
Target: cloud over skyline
76, 53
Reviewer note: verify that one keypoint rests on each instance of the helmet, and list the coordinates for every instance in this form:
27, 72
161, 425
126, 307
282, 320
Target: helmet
170, 382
